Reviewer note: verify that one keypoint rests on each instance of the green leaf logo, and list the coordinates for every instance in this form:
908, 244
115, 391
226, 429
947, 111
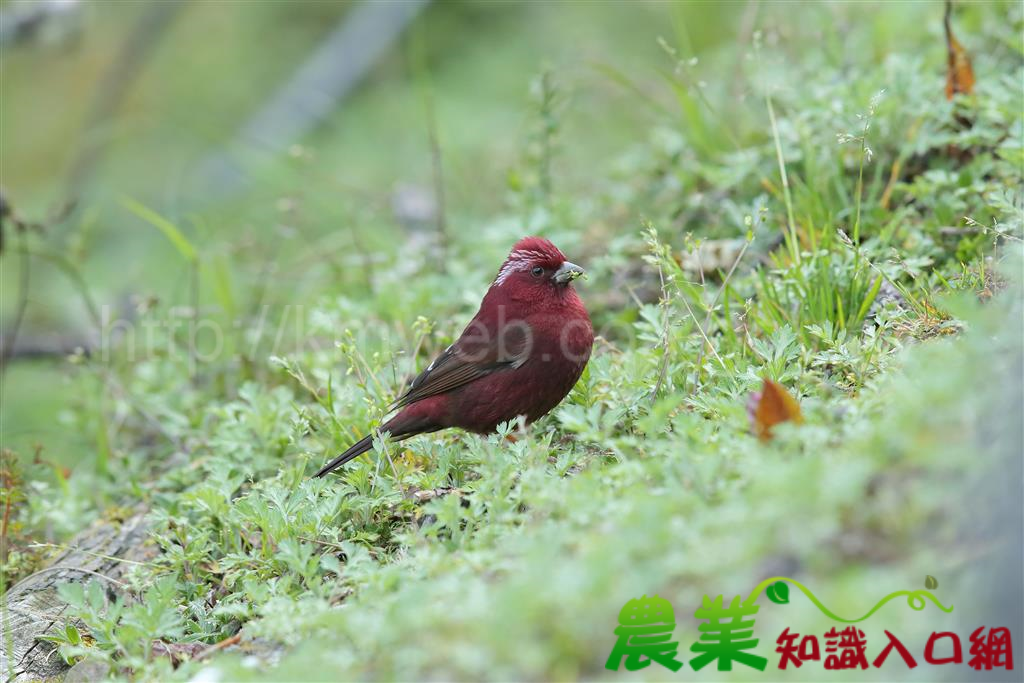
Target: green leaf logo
778, 592
930, 582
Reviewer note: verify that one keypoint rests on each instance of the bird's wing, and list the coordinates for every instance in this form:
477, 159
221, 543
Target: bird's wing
474, 355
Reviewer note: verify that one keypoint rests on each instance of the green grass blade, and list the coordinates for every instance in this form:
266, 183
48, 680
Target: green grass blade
169, 229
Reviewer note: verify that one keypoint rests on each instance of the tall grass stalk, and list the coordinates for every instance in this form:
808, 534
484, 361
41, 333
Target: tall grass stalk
791, 237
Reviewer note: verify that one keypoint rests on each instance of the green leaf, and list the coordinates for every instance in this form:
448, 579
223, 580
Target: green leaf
72, 593
869, 299
778, 593
169, 229
930, 582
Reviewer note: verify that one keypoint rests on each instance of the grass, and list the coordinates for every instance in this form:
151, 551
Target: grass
899, 337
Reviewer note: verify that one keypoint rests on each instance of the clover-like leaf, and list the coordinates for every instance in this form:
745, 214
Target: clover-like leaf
930, 582
778, 593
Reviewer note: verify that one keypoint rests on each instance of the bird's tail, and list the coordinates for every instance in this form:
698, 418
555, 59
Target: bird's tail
407, 423
354, 451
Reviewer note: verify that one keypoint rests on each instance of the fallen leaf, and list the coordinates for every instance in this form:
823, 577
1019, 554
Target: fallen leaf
959, 74
770, 406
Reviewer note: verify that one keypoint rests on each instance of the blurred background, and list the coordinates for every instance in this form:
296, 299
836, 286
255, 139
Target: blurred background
291, 139
286, 133
288, 172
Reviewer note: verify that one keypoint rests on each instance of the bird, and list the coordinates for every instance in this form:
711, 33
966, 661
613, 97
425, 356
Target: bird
519, 356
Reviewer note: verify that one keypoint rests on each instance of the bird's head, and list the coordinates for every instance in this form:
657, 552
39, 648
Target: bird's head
536, 266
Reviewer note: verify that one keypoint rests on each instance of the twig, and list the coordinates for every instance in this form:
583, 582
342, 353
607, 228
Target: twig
714, 302
415, 354
217, 647
394, 470
728, 276
67, 567
634, 297
975, 226
702, 334
600, 340
359, 357
326, 544
101, 556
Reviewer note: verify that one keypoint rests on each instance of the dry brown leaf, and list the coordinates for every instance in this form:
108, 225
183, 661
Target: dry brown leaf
959, 74
770, 406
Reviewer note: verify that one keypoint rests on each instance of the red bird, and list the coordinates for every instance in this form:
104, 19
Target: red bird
521, 354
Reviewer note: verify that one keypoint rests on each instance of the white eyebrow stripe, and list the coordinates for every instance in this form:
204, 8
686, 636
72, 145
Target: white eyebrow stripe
518, 260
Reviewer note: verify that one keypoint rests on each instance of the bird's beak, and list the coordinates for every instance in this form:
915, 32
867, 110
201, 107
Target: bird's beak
567, 272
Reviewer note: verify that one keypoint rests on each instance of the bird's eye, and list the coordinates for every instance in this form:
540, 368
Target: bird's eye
537, 271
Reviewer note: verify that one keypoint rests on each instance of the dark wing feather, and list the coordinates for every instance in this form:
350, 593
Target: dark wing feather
473, 356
